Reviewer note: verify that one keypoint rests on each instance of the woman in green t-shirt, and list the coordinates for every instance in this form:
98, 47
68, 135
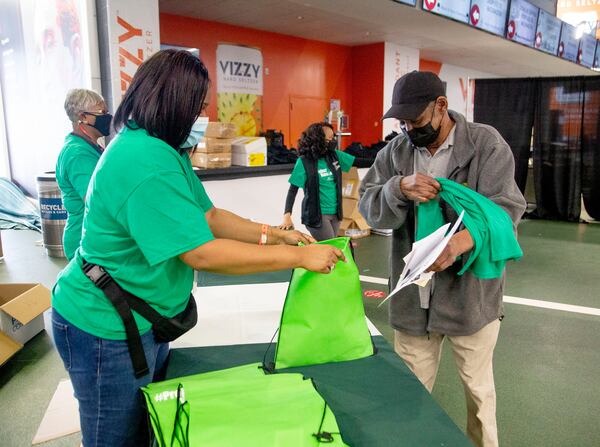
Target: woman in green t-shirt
78, 158
318, 172
148, 224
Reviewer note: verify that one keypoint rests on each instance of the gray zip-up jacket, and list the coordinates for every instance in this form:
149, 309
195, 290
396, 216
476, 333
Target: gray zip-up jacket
481, 160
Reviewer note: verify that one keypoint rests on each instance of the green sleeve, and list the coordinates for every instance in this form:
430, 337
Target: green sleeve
298, 177
346, 160
165, 218
201, 196
80, 172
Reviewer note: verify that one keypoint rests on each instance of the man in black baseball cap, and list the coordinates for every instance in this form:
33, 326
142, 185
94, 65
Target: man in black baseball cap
419, 102
413, 92
440, 143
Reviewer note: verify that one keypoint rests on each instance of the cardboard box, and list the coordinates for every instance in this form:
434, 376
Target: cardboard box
349, 206
211, 161
354, 229
21, 315
350, 184
249, 151
215, 146
354, 224
221, 130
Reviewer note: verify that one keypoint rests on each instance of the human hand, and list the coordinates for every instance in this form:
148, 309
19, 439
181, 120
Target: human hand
294, 237
287, 222
458, 244
320, 258
419, 187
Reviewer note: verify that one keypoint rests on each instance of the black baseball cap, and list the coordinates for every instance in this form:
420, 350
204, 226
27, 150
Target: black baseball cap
412, 94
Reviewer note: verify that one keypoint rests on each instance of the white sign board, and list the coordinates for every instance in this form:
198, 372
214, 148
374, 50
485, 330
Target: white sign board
239, 69
240, 87
134, 36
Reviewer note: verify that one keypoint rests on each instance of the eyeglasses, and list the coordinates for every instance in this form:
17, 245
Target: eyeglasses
104, 112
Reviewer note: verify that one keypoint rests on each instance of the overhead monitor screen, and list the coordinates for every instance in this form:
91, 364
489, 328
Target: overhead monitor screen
569, 44
453, 9
407, 2
587, 47
489, 15
597, 57
548, 33
522, 22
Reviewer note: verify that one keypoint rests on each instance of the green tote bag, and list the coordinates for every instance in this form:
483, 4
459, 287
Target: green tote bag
240, 407
323, 318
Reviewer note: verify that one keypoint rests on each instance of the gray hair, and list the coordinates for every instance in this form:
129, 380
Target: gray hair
81, 100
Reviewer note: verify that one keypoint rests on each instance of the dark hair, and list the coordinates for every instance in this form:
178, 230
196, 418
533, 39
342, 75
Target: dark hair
165, 96
312, 142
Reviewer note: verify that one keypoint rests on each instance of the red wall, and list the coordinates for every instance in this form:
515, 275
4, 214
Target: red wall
367, 93
432, 66
297, 67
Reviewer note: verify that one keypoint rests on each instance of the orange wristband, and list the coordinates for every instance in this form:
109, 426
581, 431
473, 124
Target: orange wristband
263, 235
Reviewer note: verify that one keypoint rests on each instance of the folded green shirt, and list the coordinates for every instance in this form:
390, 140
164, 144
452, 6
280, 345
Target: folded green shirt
494, 240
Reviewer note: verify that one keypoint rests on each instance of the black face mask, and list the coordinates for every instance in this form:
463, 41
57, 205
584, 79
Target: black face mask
423, 136
332, 145
102, 123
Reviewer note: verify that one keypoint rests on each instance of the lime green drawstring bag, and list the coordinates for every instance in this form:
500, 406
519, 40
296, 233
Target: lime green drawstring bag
162, 400
323, 318
494, 239
240, 406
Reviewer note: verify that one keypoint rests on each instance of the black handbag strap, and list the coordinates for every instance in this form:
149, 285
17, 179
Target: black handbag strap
123, 303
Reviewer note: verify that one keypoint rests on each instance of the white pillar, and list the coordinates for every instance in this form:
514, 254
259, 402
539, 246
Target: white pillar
398, 61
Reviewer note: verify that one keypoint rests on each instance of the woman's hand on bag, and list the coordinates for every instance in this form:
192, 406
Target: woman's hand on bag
285, 237
320, 258
287, 222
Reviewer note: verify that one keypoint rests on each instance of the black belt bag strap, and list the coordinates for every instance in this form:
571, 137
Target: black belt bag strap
164, 329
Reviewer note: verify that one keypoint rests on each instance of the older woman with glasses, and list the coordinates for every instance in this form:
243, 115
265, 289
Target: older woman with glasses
87, 112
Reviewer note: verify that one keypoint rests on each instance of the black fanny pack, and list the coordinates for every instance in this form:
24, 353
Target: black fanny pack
164, 329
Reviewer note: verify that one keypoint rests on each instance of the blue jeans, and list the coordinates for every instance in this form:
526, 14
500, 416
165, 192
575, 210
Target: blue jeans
111, 407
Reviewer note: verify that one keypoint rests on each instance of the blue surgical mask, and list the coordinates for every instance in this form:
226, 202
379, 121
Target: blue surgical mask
197, 132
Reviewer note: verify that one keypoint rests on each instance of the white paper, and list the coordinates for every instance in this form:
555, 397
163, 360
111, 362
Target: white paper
424, 279
423, 254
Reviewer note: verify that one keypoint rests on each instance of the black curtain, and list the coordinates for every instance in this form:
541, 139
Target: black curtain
557, 148
509, 105
590, 149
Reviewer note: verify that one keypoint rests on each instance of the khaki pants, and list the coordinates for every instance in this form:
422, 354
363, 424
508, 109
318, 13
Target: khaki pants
473, 356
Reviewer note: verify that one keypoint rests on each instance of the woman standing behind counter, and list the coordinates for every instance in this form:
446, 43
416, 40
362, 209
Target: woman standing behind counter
318, 172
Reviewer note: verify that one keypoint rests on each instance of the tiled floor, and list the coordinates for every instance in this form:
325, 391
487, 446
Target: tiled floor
546, 361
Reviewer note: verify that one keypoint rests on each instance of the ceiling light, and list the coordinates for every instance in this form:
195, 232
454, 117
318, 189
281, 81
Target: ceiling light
300, 17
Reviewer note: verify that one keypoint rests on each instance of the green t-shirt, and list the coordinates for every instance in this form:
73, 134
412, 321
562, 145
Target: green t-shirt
327, 186
494, 240
74, 168
145, 207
